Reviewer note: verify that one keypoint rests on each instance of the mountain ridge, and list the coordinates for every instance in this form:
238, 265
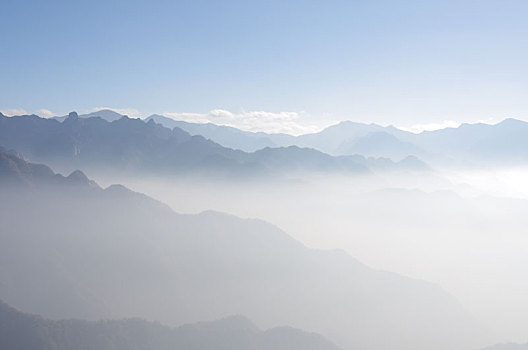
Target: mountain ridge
475, 143
30, 332
133, 145
140, 259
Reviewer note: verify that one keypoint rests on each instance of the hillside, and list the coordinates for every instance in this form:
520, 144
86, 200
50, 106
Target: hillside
29, 332
86, 252
134, 146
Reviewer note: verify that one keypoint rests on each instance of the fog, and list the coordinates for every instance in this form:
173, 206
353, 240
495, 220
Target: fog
85, 252
464, 230
367, 252
264, 175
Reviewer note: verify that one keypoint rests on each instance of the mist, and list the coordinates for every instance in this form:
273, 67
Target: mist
264, 175
383, 249
464, 230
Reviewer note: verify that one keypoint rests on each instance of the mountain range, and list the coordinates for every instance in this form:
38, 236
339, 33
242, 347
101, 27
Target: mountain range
30, 332
106, 114
468, 145
82, 251
135, 146
332, 140
473, 144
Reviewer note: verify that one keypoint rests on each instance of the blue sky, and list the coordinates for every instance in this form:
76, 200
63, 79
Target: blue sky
389, 62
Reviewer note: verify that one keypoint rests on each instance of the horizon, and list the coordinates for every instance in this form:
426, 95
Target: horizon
208, 118
352, 170
307, 65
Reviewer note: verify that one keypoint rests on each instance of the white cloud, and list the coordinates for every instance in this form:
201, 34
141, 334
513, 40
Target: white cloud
13, 111
46, 113
201, 118
270, 122
131, 112
418, 128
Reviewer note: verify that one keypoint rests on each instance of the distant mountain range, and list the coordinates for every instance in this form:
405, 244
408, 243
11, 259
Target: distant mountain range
328, 141
133, 145
87, 252
228, 136
29, 332
105, 114
16, 171
504, 143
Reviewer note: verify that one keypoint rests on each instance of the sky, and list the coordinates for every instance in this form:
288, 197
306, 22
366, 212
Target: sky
292, 66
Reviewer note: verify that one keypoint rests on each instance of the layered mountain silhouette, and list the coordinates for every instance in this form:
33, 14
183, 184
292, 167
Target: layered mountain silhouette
87, 252
15, 170
105, 114
346, 138
29, 332
479, 144
135, 146
228, 136
504, 143
332, 140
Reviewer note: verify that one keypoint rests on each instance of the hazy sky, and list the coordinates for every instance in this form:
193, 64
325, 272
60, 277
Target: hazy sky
310, 63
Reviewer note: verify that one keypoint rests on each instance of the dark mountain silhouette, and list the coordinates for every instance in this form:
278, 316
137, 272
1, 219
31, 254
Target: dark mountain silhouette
228, 136
334, 140
105, 114
499, 144
132, 145
502, 143
87, 252
375, 155
302, 159
29, 332
14, 170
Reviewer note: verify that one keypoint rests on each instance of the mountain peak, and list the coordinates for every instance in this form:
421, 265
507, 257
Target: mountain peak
106, 114
512, 121
117, 189
346, 123
73, 115
78, 177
